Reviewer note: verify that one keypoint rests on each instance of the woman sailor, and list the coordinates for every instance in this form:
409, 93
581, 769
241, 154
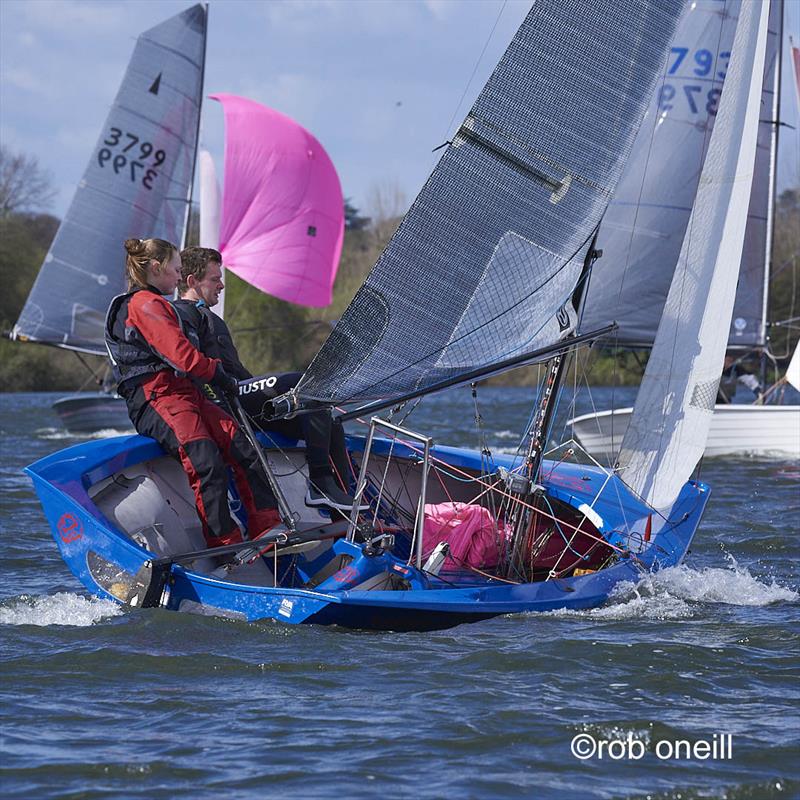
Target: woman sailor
154, 365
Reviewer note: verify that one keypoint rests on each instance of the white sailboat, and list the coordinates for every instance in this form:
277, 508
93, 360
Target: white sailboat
138, 182
646, 223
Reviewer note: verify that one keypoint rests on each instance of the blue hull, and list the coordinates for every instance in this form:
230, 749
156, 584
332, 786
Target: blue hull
86, 539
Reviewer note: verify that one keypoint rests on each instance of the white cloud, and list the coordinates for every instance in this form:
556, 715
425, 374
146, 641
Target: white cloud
56, 15
22, 78
440, 8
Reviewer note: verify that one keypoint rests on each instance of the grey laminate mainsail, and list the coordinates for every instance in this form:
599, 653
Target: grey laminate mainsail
137, 184
485, 262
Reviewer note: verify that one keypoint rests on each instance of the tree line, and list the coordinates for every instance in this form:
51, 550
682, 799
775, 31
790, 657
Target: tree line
275, 335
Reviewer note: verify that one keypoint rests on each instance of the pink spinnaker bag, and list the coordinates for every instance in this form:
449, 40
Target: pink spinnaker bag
470, 530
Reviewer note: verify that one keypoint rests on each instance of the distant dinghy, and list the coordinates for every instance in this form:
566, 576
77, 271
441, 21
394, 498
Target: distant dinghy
643, 230
137, 183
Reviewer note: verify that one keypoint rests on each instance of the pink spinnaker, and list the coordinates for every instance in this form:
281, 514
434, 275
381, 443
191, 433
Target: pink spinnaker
282, 207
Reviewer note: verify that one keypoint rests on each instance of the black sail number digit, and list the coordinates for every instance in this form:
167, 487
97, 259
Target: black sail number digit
144, 168
114, 136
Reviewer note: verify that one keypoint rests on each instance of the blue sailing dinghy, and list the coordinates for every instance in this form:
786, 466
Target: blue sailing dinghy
115, 504
487, 271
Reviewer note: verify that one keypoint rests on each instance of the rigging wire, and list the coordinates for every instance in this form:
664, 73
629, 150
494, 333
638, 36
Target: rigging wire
475, 69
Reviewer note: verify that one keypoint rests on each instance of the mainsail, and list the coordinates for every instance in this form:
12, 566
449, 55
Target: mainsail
282, 207
643, 229
137, 184
670, 421
484, 263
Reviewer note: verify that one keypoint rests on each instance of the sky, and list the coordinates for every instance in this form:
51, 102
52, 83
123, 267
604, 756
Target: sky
380, 83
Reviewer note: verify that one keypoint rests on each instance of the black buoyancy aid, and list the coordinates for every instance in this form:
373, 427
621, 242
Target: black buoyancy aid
210, 335
194, 324
130, 353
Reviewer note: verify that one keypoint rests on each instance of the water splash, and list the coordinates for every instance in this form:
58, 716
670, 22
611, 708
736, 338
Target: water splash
58, 434
629, 601
62, 608
674, 592
732, 585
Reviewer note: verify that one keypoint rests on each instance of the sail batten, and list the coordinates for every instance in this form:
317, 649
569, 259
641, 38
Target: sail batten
136, 184
484, 264
670, 421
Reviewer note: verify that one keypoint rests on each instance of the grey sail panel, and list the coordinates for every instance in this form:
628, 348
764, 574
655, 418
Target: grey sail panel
669, 425
643, 229
486, 259
136, 185
748, 328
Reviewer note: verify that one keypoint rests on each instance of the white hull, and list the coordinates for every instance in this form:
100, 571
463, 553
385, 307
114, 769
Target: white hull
735, 430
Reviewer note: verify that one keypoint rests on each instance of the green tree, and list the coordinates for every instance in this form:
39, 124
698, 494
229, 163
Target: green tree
784, 296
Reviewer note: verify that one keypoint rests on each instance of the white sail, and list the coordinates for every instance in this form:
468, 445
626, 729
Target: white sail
793, 371
210, 212
670, 421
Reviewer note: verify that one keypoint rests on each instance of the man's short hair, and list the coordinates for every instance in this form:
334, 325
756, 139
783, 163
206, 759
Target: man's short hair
195, 261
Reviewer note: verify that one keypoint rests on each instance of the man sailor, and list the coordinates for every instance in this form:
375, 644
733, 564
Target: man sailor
732, 376
328, 463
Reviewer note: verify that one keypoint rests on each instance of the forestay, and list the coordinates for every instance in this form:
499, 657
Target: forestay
643, 230
484, 263
670, 421
136, 184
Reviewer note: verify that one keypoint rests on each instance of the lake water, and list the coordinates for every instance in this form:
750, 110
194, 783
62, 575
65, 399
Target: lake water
98, 701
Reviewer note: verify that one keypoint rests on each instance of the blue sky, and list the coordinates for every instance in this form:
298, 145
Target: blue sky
379, 82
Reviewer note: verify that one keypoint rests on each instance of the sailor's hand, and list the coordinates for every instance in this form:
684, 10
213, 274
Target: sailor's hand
226, 383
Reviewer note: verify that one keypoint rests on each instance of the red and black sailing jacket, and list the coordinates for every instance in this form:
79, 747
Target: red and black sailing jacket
144, 337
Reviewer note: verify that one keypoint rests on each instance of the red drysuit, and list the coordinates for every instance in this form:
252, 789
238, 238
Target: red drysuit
154, 361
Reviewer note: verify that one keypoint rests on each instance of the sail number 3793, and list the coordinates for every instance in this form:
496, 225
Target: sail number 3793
128, 155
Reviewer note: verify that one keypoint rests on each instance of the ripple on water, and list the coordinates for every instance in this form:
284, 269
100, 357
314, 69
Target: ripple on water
107, 702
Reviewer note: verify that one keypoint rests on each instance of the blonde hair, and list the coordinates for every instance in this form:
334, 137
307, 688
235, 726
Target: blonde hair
140, 253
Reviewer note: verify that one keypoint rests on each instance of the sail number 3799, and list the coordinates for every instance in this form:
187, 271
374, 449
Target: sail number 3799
128, 155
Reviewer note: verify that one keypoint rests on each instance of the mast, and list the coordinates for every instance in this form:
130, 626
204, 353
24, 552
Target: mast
523, 519
773, 166
190, 193
543, 420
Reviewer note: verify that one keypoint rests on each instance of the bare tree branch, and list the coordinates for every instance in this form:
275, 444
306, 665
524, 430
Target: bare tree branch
24, 185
